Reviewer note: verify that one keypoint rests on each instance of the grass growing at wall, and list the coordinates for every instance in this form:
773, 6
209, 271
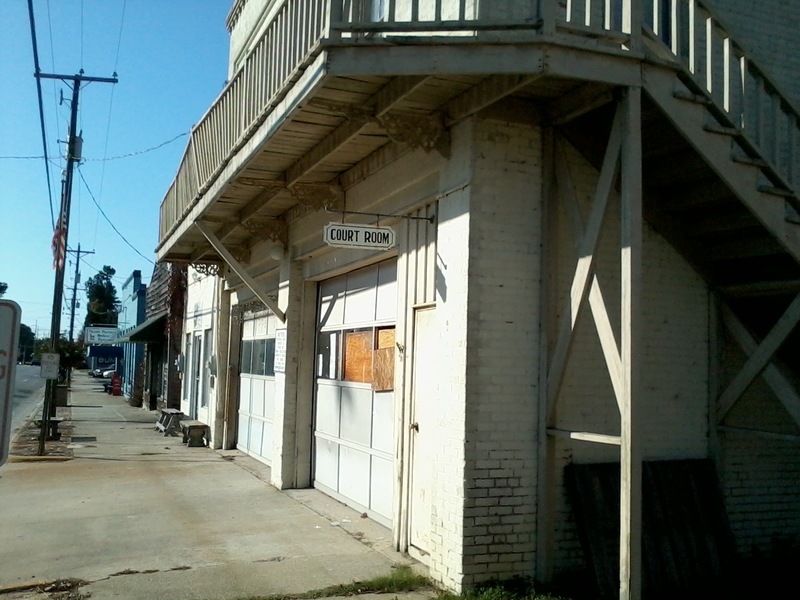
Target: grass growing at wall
403, 579
511, 589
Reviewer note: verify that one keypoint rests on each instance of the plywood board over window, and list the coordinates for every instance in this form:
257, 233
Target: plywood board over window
358, 356
383, 361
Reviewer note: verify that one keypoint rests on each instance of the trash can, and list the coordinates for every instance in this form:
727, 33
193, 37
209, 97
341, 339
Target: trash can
62, 393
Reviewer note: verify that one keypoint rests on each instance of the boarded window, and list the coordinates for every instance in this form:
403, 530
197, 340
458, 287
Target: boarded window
357, 357
383, 364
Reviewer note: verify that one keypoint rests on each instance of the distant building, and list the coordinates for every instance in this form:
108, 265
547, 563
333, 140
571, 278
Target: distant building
133, 299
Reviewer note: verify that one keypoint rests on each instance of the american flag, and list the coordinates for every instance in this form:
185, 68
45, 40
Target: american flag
59, 243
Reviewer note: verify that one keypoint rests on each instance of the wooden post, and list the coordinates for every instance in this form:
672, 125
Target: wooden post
630, 559
240, 270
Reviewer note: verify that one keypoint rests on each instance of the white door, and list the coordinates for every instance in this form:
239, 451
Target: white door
423, 427
196, 375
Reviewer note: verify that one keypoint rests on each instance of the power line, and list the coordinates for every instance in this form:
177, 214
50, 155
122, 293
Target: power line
114, 227
107, 159
41, 109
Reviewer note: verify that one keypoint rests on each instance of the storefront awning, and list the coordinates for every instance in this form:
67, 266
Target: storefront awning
152, 330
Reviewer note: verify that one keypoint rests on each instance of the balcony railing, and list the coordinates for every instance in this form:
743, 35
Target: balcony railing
681, 31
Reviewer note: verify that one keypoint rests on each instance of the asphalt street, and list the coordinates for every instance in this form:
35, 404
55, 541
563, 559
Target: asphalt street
28, 393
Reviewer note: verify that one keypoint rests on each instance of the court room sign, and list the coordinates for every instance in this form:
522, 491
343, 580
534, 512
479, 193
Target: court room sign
369, 237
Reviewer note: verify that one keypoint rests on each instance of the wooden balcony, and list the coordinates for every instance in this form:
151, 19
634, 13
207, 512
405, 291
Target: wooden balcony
331, 82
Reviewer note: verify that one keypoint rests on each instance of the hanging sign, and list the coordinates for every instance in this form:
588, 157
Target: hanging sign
50, 364
343, 235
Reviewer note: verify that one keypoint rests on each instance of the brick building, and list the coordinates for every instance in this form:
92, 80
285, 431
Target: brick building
592, 284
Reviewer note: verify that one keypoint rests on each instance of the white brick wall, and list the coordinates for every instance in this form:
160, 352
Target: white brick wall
761, 476
502, 352
452, 248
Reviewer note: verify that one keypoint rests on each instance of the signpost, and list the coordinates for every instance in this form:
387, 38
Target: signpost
9, 339
345, 235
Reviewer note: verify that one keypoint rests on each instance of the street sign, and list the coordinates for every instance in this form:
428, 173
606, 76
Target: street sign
100, 335
50, 363
343, 235
10, 314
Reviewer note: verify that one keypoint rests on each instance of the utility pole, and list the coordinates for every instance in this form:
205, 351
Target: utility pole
77, 253
61, 235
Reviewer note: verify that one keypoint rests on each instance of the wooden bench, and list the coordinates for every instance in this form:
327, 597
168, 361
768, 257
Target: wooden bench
53, 433
168, 420
195, 433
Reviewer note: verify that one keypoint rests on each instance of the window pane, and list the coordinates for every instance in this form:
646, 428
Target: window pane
270, 357
247, 353
259, 353
357, 357
327, 354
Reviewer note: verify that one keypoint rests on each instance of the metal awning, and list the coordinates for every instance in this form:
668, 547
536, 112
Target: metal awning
152, 330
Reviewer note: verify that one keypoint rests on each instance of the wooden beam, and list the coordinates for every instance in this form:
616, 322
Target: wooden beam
780, 385
770, 435
630, 530
585, 436
605, 331
251, 208
760, 358
580, 101
487, 92
761, 288
382, 102
586, 257
240, 270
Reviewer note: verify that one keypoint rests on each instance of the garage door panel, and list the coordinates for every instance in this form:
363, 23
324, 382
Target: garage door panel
256, 432
381, 486
326, 464
356, 415
269, 399
386, 305
354, 474
332, 302
361, 296
244, 394
383, 422
257, 397
266, 441
243, 432
327, 418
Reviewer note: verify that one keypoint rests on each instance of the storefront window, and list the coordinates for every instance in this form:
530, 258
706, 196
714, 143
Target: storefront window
327, 354
247, 354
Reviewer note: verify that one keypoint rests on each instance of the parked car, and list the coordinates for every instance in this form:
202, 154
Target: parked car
109, 373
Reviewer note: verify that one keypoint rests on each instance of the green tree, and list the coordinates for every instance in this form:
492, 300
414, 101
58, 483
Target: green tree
72, 354
3, 288
103, 305
27, 341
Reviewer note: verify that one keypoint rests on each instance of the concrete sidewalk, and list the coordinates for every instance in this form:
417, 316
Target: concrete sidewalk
139, 515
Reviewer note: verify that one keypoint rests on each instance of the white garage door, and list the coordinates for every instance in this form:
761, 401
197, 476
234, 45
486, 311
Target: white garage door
354, 404
257, 388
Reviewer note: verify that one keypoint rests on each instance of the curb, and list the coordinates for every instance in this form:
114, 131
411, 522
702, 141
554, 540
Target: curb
22, 587
25, 425
16, 458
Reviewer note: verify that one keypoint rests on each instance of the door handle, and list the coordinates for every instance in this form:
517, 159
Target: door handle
414, 426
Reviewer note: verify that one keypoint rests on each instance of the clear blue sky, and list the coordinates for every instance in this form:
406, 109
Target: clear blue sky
171, 60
